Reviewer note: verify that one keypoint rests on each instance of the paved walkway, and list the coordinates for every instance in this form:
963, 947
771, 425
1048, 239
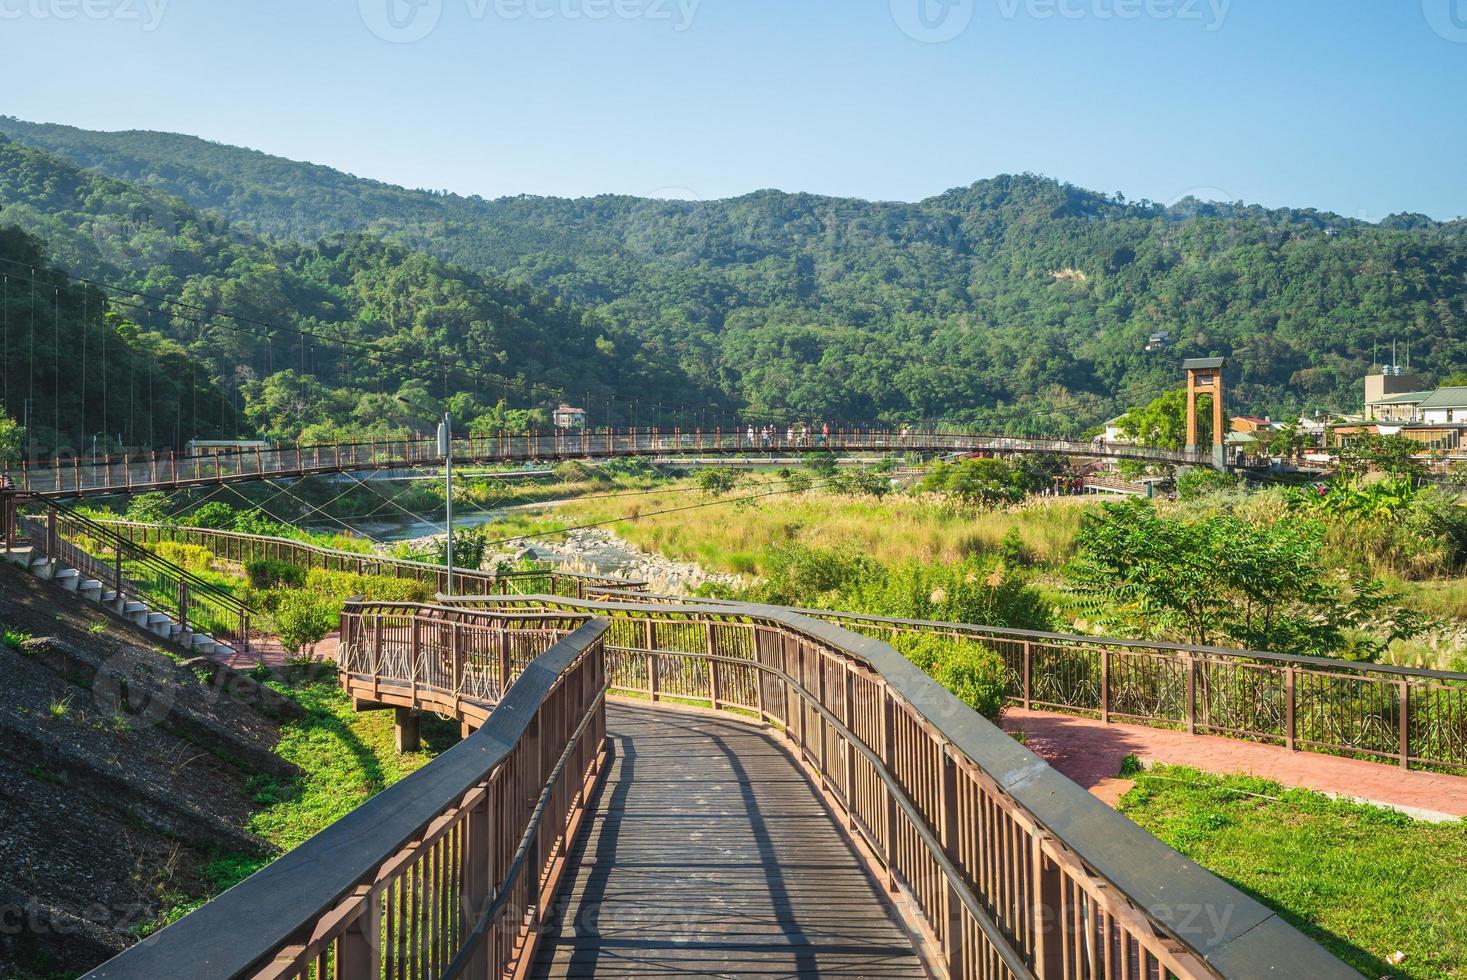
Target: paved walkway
709, 853
1090, 753
268, 651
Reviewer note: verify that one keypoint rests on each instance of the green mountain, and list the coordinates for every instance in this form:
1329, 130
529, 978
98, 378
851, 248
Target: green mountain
317, 339
1017, 301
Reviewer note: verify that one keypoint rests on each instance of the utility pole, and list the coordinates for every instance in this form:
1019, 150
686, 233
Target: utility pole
445, 449
445, 446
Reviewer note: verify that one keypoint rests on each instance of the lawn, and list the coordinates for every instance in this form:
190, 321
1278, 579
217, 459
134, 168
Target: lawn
1366, 882
345, 757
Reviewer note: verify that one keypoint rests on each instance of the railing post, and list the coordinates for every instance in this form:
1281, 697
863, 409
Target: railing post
1028, 674
713, 698
1290, 716
1191, 694
183, 604
651, 646
888, 760
503, 662
952, 932
476, 883
1404, 698
1105, 684
1049, 920
359, 951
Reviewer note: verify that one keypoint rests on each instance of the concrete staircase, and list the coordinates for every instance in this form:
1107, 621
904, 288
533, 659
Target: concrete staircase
160, 624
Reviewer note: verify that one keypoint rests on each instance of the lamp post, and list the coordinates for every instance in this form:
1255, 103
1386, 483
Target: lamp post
445, 449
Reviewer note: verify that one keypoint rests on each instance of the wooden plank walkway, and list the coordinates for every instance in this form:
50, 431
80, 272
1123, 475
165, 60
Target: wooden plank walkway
710, 854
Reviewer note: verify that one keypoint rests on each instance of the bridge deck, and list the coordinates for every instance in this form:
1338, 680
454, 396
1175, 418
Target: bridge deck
709, 853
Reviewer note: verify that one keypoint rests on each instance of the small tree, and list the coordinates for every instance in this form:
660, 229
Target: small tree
716, 482
1221, 580
11, 435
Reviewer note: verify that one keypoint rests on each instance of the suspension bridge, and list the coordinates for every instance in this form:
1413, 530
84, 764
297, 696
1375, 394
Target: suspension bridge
171, 470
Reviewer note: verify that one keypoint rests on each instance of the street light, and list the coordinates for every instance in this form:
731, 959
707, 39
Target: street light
445, 449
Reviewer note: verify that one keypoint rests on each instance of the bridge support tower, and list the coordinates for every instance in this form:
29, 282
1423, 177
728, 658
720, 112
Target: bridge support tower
1205, 377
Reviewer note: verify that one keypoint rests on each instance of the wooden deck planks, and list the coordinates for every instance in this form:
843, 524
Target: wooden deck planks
710, 854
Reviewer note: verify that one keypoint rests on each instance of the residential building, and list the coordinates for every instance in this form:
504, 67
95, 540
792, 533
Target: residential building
569, 417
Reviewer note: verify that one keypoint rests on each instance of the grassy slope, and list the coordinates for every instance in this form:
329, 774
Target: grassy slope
1364, 881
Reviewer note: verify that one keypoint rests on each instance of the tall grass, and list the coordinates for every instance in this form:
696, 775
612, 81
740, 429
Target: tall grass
737, 538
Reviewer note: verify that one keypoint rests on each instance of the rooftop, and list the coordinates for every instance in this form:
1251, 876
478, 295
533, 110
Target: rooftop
1200, 363
1446, 398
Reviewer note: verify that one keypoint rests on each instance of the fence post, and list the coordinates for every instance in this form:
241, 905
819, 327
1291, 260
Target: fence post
1404, 697
183, 604
888, 757
1105, 684
952, 906
1049, 918
712, 666
503, 661
650, 629
1290, 719
1191, 694
1028, 674
359, 951
476, 884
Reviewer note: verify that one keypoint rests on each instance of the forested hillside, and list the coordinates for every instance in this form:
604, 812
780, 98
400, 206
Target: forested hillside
304, 339
1018, 301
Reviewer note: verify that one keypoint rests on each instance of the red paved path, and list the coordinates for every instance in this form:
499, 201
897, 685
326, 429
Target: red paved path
268, 651
1090, 753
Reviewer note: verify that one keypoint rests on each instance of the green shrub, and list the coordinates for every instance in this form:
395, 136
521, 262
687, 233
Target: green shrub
215, 514
341, 586
194, 557
14, 638
971, 671
1199, 481
269, 573
303, 617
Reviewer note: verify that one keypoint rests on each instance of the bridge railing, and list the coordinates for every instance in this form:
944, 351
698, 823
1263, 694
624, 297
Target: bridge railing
132, 472
447, 659
444, 874
1003, 867
134, 573
1406, 715
239, 547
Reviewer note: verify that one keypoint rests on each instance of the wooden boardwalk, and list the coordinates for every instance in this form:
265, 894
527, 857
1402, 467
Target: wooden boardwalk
710, 854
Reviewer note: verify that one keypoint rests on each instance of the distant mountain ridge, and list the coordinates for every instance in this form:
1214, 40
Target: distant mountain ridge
1016, 301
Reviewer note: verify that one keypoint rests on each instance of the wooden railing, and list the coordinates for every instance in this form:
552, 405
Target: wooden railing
239, 547
98, 552
1003, 867
130, 473
1406, 715
443, 874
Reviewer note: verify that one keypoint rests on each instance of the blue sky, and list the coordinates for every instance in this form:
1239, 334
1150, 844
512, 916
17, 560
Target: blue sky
1355, 106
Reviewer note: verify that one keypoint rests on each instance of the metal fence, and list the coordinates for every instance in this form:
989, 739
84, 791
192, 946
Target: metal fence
134, 574
239, 547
